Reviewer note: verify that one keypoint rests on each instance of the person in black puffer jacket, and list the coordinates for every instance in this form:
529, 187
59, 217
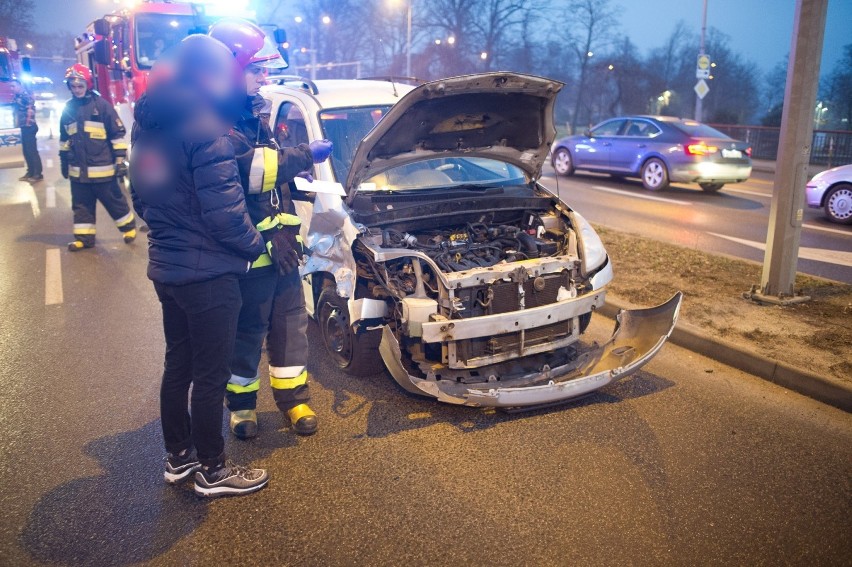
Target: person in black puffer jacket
185, 185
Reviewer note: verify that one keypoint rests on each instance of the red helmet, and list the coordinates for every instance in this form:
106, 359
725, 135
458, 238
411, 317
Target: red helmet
248, 43
79, 72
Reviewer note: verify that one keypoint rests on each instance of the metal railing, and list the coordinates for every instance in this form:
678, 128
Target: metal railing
829, 147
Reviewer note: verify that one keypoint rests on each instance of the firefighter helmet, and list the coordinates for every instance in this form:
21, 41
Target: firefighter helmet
79, 72
248, 43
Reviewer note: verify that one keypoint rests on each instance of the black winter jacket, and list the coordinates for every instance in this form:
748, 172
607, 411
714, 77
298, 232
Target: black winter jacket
91, 138
190, 196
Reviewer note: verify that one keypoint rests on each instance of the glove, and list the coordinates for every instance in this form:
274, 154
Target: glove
306, 175
63, 165
320, 150
120, 167
285, 250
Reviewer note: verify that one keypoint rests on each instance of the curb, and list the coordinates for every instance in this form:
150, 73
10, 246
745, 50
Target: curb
736, 356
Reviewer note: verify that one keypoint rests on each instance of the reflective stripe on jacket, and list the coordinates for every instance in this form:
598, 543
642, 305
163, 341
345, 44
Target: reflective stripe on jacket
91, 138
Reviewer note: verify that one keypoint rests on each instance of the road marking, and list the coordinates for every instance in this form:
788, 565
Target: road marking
53, 277
638, 196
747, 192
49, 163
838, 257
826, 229
50, 197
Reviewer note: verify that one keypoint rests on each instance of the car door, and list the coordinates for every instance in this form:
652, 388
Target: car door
631, 147
593, 151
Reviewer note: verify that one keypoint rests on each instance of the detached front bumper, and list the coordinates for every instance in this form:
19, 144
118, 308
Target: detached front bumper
638, 336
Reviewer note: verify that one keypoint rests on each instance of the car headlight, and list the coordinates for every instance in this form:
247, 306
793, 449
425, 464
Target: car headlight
592, 251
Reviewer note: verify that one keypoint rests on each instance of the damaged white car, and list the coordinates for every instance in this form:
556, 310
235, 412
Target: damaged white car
445, 261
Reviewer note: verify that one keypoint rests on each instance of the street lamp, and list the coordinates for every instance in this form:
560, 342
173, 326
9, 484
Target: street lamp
311, 50
407, 37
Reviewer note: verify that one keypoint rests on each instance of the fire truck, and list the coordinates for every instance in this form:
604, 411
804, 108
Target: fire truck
121, 47
10, 68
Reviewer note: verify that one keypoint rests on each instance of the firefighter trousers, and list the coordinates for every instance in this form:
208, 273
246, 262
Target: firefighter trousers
84, 202
274, 308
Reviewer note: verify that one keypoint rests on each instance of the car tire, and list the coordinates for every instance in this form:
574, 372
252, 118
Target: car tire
712, 187
655, 176
357, 354
838, 204
563, 163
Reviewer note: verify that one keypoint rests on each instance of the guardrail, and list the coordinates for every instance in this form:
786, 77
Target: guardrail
829, 147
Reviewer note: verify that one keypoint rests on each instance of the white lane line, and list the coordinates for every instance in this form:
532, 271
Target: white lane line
50, 197
53, 277
826, 229
49, 162
747, 192
838, 257
638, 196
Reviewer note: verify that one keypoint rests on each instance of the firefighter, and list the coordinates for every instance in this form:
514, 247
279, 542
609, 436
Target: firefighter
273, 303
92, 154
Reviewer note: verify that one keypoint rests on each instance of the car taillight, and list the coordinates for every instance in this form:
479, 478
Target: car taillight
748, 152
701, 149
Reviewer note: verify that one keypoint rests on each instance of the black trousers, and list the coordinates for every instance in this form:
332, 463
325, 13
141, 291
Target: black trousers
200, 324
30, 147
84, 203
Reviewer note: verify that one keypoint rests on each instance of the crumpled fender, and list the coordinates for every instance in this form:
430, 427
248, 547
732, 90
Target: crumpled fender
638, 336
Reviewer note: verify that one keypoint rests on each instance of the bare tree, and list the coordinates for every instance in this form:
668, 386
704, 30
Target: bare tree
497, 18
16, 17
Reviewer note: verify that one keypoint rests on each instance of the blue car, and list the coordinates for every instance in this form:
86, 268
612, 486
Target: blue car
658, 150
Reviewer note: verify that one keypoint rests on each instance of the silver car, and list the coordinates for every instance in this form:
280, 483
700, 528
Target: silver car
658, 150
831, 190
440, 257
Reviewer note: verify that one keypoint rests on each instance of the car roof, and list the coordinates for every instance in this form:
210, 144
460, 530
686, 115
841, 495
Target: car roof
338, 93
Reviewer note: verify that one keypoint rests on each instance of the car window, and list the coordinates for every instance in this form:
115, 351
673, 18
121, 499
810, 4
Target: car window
446, 172
698, 130
642, 128
345, 127
290, 128
608, 128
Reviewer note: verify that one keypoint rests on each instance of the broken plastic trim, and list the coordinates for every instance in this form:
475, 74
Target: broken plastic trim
638, 336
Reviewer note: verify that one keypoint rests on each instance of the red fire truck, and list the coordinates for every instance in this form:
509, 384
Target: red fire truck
121, 47
10, 68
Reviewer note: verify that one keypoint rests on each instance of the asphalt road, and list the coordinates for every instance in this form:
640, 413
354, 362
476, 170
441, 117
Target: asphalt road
733, 221
687, 462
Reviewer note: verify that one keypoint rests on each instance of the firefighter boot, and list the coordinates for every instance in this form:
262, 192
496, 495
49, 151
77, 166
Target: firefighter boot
77, 245
303, 419
129, 236
244, 423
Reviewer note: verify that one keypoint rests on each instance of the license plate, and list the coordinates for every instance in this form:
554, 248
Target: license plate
732, 154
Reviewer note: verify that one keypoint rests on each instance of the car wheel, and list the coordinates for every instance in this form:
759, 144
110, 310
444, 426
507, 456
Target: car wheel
838, 204
562, 162
655, 176
356, 354
711, 187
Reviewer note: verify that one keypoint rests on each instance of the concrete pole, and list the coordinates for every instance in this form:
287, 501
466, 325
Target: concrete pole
794, 150
699, 102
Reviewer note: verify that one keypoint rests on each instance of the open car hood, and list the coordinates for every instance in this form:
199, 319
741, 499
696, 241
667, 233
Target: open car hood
502, 116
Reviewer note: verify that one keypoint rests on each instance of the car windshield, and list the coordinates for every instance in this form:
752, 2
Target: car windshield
697, 129
345, 127
157, 32
446, 172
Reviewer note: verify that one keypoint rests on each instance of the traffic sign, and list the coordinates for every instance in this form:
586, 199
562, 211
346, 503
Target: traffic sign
701, 88
702, 68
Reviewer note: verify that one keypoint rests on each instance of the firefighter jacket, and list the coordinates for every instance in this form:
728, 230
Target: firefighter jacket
264, 168
91, 139
24, 111
190, 196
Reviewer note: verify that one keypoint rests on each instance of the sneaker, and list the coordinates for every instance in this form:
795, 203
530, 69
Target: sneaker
229, 479
180, 466
24, 177
303, 419
244, 423
129, 236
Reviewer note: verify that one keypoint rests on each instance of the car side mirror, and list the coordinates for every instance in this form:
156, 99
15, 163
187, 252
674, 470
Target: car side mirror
587, 133
102, 52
